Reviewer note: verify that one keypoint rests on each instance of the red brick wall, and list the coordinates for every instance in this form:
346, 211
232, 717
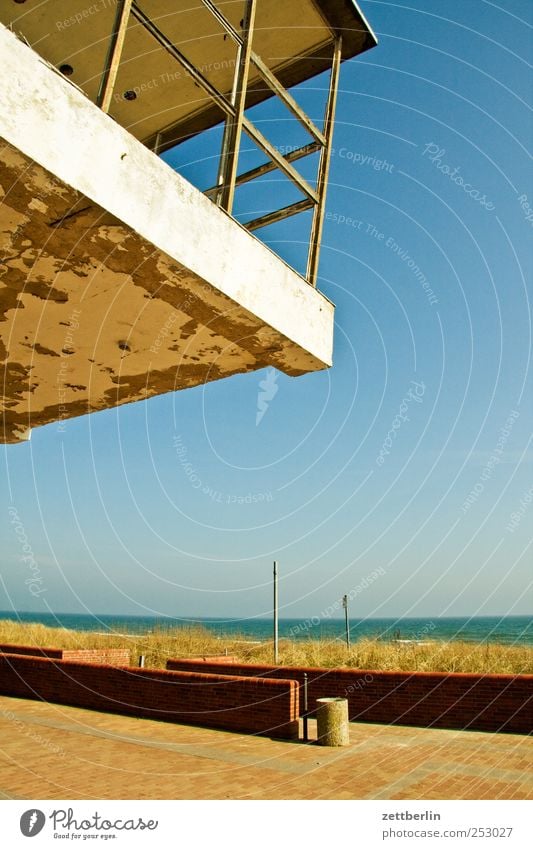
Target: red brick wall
441, 700
116, 657
112, 657
257, 705
216, 658
35, 651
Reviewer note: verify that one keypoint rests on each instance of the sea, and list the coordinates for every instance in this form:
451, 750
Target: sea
510, 630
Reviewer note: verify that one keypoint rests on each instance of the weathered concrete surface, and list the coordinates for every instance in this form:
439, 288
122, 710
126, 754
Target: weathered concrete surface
332, 722
119, 280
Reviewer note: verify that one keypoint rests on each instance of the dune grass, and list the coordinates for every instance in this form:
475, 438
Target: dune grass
162, 643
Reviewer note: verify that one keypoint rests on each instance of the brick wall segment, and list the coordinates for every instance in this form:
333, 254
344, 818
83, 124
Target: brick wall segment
118, 656
426, 699
261, 705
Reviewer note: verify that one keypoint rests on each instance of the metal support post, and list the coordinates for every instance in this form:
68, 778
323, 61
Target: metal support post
323, 168
229, 159
114, 54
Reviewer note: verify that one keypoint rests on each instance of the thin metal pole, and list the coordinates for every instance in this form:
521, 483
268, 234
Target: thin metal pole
229, 160
279, 214
157, 143
114, 54
141, 661
276, 629
323, 167
345, 605
224, 149
306, 708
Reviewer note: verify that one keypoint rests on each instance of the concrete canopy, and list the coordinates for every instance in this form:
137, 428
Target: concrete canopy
119, 279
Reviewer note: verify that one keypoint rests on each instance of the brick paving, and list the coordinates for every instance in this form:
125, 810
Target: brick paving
50, 751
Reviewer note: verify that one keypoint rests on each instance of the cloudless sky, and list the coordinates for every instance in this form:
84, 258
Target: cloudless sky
413, 453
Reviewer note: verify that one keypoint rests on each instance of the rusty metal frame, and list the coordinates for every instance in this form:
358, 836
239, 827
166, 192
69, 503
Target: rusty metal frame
276, 87
267, 167
282, 163
225, 105
280, 214
236, 122
268, 76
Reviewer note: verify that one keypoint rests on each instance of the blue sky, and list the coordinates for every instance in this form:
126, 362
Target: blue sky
413, 453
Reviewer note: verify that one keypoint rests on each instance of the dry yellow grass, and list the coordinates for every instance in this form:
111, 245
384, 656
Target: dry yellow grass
161, 644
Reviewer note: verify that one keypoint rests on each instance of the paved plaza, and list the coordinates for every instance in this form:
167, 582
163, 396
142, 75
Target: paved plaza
50, 751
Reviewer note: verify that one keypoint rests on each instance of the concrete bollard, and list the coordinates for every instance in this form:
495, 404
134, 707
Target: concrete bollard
332, 722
